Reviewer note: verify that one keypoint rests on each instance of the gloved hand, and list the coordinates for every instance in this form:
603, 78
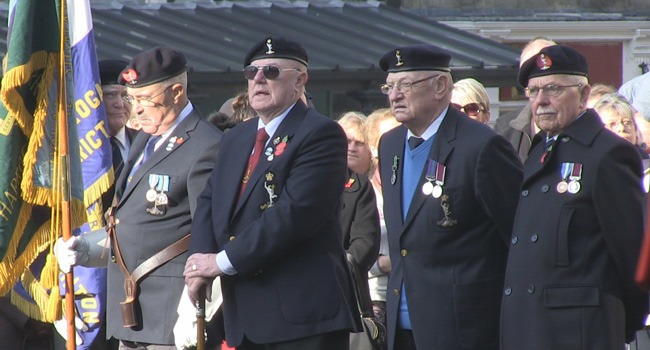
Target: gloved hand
74, 251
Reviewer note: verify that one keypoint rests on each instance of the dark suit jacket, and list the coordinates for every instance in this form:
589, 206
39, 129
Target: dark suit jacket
292, 278
188, 163
570, 277
360, 221
453, 275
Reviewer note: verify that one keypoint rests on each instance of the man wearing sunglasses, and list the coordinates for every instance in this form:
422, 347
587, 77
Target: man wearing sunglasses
570, 275
168, 164
268, 222
450, 188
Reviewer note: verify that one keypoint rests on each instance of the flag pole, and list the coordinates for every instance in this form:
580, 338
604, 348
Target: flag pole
65, 180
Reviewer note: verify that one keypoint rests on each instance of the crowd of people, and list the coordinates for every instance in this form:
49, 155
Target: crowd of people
521, 236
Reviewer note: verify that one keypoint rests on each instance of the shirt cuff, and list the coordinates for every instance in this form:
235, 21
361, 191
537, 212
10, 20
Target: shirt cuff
224, 263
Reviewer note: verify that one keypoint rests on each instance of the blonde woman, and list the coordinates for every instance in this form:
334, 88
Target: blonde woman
472, 99
359, 157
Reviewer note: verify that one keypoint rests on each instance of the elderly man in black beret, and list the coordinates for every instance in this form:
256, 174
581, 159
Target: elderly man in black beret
268, 221
117, 114
570, 278
450, 188
156, 194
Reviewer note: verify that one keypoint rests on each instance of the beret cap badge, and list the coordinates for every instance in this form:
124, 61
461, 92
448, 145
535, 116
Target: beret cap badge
269, 45
399, 58
130, 76
544, 62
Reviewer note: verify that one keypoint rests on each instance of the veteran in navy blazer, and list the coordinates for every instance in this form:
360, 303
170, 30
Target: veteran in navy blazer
570, 278
271, 229
449, 205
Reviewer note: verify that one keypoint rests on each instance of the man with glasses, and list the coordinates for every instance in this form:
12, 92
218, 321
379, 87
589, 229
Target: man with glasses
570, 275
450, 189
167, 167
268, 222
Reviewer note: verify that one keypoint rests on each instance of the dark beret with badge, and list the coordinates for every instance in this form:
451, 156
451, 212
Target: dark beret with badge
415, 58
556, 59
153, 66
110, 70
277, 47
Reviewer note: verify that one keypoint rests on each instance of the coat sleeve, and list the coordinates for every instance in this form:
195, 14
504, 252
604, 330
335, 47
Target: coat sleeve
498, 179
620, 213
364, 231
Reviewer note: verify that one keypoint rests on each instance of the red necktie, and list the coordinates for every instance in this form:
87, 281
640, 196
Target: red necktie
260, 142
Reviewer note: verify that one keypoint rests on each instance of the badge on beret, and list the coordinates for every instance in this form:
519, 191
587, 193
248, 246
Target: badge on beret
130, 76
398, 54
544, 62
269, 45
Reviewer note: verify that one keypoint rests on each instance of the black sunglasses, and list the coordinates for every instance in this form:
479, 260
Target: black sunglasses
270, 72
471, 109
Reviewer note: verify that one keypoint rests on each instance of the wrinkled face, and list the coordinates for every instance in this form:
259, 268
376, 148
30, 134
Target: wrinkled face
117, 110
271, 96
621, 125
358, 151
553, 114
153, 105
411, 107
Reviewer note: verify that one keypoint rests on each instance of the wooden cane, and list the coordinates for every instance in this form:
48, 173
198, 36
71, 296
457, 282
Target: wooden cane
200, 320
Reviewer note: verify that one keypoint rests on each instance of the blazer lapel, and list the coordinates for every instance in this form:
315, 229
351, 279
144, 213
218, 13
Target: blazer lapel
172, 143
440, 151
287, 129
393, 192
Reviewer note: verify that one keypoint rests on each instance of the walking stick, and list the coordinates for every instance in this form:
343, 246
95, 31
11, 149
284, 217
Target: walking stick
200, 320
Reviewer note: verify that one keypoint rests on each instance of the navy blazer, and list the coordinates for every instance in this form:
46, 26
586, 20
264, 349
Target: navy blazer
570, 274
292, 278
187, 160
453, 274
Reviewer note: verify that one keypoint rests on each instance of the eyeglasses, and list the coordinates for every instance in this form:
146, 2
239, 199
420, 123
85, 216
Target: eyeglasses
145, 101
627, 123
404, 86
472, 109
270, 72
550, 90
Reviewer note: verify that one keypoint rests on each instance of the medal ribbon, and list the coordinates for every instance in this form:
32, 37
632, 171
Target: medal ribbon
432, 169
440, 173
153, 180
566, 169
576, 173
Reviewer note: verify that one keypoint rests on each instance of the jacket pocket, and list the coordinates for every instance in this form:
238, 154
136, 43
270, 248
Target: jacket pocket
562, 248
571, 296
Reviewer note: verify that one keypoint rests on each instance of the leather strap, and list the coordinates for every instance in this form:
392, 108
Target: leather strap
131, 279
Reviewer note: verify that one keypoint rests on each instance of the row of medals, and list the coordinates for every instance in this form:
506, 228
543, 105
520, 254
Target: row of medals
572, 186
158, 198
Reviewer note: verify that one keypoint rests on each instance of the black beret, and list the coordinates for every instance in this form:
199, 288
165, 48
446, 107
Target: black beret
415, 57
277, 47
556, 59
109, 70
153, 66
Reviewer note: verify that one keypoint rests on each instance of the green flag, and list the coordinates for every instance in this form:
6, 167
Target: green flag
30, 173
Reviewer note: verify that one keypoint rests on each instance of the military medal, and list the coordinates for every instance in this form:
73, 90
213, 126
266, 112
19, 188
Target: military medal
393, 176
576, 175
269, 153
151, 193
163, 187
427, 188
440, 180
564, 172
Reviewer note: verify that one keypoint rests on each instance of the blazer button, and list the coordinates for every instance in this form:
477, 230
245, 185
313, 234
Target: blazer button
545, 188
566, 139
533, 238
258, 273
117, 221
404, 252
524, 193
508, 291
113, 258
514, 240
531, 289
396, 291
231, 238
